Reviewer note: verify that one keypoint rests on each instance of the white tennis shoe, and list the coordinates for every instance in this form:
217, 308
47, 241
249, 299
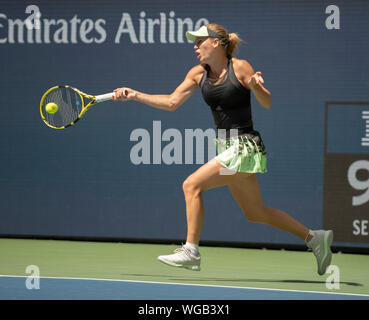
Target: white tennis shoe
182, 258
321, 247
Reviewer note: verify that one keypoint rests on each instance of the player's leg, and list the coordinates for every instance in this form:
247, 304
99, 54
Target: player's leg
210, 175
246, 192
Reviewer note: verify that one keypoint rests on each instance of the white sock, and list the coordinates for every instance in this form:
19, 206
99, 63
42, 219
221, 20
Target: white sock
194, 248
311, 240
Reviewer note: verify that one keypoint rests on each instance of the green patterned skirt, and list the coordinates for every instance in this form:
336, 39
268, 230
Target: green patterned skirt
243, 153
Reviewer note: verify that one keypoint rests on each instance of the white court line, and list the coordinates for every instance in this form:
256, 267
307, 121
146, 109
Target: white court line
191, 284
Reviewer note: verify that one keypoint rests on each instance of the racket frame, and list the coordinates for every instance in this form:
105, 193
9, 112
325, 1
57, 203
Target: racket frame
94, 100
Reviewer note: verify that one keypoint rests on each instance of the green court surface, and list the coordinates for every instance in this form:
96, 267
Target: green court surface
237, 267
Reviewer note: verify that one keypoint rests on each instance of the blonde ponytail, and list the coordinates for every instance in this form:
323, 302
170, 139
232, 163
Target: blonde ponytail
229, 41
232, 47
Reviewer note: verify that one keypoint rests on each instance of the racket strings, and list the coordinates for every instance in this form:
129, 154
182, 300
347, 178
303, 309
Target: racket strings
69, 107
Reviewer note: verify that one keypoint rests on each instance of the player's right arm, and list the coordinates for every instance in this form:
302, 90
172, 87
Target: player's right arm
169, 102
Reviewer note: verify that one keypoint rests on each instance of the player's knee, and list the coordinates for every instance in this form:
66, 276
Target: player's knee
252, 218
190, 187
257, 215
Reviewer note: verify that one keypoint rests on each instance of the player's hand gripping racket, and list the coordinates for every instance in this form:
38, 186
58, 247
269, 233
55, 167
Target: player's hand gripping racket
71, 105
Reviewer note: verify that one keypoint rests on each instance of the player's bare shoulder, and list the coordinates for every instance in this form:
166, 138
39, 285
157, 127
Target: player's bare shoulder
242, 66
196, 73
243, 71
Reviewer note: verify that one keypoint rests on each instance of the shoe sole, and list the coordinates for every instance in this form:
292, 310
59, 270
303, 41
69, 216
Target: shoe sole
327, 258
189, 267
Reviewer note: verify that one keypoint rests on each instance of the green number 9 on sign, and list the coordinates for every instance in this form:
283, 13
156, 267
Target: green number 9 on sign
359, 184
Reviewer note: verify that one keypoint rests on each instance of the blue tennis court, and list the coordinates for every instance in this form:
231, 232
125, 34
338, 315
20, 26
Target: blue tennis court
14, 288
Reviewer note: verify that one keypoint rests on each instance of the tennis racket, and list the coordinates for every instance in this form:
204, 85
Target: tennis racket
72, 105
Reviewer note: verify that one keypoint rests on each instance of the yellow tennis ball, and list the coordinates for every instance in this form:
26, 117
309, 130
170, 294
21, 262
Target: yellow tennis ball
51, 107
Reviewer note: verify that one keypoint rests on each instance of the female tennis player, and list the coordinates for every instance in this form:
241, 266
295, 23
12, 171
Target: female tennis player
226, 83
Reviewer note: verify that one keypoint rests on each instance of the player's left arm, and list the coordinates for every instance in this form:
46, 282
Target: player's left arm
254, 82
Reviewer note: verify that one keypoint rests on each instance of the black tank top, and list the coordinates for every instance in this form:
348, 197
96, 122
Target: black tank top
229, 101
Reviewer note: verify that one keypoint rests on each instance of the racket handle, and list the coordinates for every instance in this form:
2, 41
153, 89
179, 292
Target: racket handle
104, 97
108, 96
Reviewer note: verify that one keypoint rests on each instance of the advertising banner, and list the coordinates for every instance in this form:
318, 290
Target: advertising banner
119, 172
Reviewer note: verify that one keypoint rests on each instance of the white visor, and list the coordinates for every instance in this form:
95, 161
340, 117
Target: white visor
202, 32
